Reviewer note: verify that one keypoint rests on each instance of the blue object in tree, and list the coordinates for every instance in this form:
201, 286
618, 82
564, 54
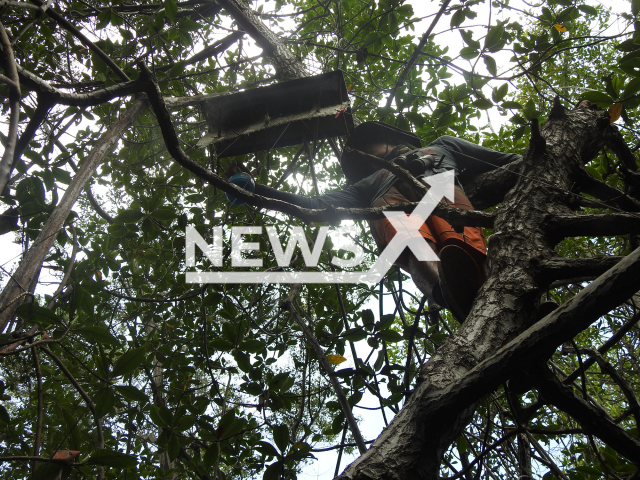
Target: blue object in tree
243, 180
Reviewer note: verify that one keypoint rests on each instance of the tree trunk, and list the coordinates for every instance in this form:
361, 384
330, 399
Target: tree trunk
413, 445
32, 261
287, 65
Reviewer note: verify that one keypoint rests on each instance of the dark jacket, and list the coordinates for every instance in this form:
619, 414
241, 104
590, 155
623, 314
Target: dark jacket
445, 153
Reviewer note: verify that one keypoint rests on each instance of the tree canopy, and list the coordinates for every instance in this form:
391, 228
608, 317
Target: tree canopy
113, 366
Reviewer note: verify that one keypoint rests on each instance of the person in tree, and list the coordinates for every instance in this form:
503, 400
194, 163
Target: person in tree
453, 281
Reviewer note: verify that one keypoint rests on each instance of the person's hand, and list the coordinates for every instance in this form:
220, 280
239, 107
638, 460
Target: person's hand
236, 167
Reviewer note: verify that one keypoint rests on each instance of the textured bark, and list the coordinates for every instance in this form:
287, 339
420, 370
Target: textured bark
413, 444
489, 189
287, 65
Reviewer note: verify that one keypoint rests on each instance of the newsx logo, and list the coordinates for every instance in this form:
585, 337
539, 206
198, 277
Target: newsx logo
297, 237
407, 236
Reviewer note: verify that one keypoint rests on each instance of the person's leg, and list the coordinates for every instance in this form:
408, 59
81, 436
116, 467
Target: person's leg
462, 268
425, 276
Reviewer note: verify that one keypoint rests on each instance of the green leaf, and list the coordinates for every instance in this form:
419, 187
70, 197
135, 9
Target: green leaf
229, 425
129, 361
131, 393
61, 175
105, 401
354, 334
32, 313
490, 63
371, 39
482, 104
493, 40
109, 458
272, 472
367, 316
390, 336
253, 345
457, 18
588, 9
221, 344
97, 334
4, 416
499, 93
529, 111
128, 216
173, 447
211, 456
185, 423
631, 88
161, 416
103, 18
267, 449
469, 52
48, 471
385, 322
599, 98
171, 9
281, 437
165, 214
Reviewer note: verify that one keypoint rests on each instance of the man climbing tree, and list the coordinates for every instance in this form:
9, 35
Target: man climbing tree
116, 357
454, 280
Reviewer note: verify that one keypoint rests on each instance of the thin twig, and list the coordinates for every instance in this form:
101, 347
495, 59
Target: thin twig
289, 304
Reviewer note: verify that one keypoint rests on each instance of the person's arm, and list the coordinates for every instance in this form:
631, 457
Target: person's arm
339, 198
358, 195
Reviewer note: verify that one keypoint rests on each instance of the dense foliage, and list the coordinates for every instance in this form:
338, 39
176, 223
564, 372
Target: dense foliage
150, 377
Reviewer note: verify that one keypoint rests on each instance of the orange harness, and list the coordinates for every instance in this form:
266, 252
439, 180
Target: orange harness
436, 230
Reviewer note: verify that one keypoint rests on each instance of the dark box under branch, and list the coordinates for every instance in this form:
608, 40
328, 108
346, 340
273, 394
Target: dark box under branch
279, 115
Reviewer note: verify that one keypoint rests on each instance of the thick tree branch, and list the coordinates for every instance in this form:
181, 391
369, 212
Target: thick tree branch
608, 194
489, 189
616, 143
287, 65
32, 260
10, 67
537, 342
593, 225
89, 99
566, 268
593, 419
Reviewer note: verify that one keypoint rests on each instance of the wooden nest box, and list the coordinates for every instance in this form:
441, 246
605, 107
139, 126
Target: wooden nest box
280, 115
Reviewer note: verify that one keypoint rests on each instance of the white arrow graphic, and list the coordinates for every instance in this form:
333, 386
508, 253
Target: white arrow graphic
407, 236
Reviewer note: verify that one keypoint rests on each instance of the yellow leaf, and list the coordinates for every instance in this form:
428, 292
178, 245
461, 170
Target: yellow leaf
349, 88
614, 112
336, 359
560, 28
170, 326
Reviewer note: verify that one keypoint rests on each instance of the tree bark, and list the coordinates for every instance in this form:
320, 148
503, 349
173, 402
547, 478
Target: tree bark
413, 445
30, 264
287, 65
